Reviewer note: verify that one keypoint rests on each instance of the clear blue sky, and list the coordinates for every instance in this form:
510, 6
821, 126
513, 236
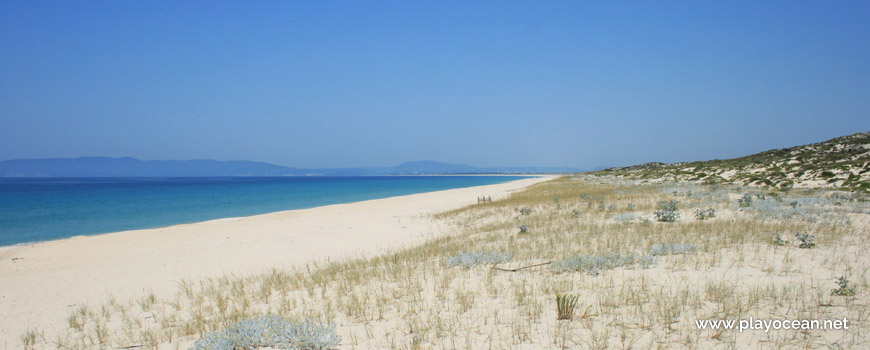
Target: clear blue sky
374, 83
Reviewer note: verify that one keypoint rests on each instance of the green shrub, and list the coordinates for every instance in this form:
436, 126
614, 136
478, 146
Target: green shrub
844, 290
704, 214
667, 211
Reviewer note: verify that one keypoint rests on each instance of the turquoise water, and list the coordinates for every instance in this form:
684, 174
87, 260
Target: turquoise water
41, 209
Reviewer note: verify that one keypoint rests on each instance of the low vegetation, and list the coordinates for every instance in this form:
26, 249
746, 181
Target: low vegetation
565, 304
271, 331
667, 211
840, 163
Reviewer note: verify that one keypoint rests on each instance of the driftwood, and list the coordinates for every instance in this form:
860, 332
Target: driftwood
522, 268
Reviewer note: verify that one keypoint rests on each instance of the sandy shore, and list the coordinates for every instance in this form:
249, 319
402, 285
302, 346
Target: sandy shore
40, 283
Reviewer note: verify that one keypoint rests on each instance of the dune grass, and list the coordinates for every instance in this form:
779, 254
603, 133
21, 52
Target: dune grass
652, 282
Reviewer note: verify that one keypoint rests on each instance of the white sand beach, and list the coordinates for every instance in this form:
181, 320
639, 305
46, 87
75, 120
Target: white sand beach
41, 283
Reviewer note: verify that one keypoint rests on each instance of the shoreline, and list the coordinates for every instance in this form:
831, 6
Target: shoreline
42, 281
79, 235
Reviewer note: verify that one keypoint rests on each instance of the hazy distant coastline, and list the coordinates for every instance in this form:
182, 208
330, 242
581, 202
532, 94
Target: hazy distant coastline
132, 167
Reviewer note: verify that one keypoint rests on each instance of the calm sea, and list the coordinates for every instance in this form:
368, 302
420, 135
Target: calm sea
33, 210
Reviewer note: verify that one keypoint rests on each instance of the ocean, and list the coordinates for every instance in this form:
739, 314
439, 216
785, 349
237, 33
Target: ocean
42, 209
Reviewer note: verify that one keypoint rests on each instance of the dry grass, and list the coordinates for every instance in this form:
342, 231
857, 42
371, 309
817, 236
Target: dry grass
411, 299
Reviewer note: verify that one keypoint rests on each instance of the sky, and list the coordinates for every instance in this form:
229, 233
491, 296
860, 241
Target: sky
377, 83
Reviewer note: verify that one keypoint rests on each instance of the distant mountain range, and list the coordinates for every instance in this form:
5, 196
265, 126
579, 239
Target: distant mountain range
132, 167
